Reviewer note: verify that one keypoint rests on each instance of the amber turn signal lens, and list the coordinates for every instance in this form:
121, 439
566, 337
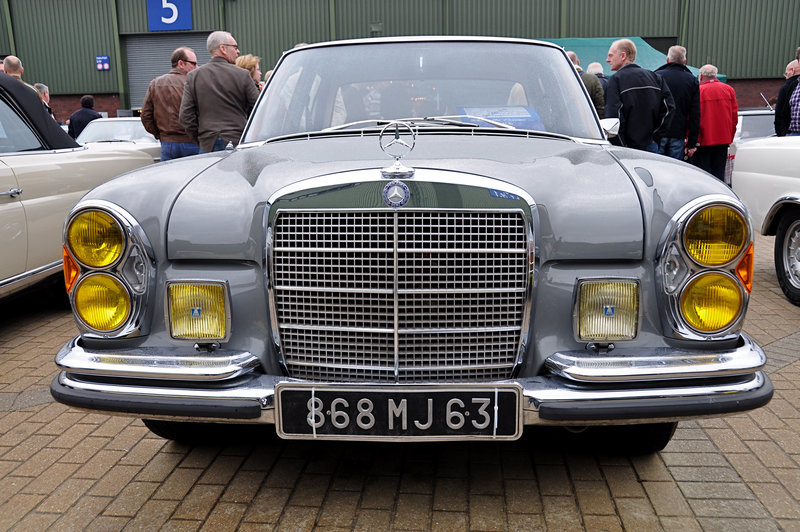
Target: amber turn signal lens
95, 239
715, 235
71, 269
102, 302
197, 311
711, 302
744, 270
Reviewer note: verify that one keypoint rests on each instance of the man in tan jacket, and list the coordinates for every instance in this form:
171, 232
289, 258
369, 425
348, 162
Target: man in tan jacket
162, 104
218, 96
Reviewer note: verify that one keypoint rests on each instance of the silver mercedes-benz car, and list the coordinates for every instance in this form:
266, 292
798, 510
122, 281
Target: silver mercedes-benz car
416, 239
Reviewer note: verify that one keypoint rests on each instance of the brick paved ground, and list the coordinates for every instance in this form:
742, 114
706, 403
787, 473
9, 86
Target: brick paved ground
62, 469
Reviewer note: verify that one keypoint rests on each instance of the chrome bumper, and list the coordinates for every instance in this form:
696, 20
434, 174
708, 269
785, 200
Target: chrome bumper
582, 389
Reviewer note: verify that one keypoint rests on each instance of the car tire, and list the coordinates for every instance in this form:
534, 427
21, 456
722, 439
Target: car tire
182, 432
647, 438
209, 433
787, 255
621, 440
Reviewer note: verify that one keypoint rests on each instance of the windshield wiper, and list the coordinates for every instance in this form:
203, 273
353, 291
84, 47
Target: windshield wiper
451, 120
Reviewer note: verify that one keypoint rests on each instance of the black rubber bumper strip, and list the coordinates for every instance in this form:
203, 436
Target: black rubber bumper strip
656, 408
150, 406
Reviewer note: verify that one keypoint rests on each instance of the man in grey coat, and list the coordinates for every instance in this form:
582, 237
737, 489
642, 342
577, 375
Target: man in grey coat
218, 96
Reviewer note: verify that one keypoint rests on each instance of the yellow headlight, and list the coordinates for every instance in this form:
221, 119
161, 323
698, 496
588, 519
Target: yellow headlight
608, 310
715, 235
95, 238
197, 311
102, 302
711, 302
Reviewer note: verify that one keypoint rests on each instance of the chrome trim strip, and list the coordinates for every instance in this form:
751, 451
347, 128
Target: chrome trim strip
128, 363
539, 396
536, 392
773, 211
676, 364
26, 279
422, 174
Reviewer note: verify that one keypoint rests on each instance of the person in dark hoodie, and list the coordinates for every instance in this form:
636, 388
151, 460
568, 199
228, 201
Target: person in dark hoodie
638, 97
679, 139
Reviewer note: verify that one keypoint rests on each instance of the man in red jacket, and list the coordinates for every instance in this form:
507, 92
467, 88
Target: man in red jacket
718, 116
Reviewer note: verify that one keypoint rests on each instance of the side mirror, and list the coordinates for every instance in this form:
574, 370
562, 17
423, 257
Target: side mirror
610, 126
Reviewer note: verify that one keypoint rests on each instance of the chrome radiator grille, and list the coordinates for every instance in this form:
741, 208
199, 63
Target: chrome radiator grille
400, 296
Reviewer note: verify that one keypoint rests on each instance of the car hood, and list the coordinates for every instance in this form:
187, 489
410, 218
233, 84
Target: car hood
587, 206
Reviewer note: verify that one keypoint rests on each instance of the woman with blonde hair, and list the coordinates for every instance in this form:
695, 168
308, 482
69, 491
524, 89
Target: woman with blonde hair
251, 62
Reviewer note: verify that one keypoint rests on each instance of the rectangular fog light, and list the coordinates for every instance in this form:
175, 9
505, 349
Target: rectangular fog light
197, 311
607, 310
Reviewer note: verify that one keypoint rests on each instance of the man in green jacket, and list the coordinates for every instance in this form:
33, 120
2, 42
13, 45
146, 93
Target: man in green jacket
592, 85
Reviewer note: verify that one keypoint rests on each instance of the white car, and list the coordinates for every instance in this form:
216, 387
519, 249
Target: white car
752, 124
128, 133
43, 173
766, 177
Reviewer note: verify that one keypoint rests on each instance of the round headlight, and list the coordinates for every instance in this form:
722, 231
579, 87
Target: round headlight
95, 239
711, 302
715, 235
102, 302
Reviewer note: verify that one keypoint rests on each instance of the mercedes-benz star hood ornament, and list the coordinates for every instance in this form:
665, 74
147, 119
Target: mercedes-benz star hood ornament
397, 139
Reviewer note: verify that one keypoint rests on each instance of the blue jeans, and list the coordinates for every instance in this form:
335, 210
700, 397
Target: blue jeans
652, 147
176, 150
219, 145
672, 147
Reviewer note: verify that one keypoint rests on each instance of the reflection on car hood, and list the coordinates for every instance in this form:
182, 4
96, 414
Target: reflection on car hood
588, 206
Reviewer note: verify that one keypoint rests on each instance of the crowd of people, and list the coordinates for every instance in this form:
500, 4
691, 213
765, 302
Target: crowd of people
672, 112
196, 109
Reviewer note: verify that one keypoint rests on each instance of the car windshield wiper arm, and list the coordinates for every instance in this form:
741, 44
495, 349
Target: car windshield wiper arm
451, 120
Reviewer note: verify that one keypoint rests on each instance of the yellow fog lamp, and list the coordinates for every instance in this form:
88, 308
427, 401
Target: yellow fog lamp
197, 311
95, 239
102, 302
711, 302
715, 235
607, 310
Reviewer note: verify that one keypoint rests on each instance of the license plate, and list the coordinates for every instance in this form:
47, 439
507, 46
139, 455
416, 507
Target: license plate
398, 413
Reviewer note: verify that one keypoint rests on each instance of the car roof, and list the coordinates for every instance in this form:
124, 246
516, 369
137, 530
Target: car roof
432, 38
756, 111
27, 99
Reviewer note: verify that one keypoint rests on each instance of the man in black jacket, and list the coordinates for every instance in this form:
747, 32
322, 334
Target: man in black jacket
81, 117
685, 91
638, 97
783, 109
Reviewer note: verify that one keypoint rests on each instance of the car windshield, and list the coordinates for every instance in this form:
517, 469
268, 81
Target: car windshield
115, 130
525, 85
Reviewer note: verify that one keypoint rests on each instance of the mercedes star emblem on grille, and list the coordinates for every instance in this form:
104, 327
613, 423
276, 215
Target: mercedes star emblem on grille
396, 194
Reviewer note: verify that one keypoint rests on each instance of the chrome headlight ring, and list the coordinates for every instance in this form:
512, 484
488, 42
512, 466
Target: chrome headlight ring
675, 269
135, 269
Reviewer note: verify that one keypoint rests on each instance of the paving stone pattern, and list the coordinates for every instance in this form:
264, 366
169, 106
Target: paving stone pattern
64, 469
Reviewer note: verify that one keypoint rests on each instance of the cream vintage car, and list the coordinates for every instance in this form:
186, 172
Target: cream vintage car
766, 176
43, 173
422, 238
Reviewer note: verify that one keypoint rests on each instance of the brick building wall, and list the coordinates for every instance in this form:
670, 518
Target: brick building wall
64, 106
749, 91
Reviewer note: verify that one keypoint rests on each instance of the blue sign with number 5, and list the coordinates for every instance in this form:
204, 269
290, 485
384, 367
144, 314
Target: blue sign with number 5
165, 15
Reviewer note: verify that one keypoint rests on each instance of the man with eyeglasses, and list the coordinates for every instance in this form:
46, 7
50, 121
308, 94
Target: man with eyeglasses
218, 96
162, 104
